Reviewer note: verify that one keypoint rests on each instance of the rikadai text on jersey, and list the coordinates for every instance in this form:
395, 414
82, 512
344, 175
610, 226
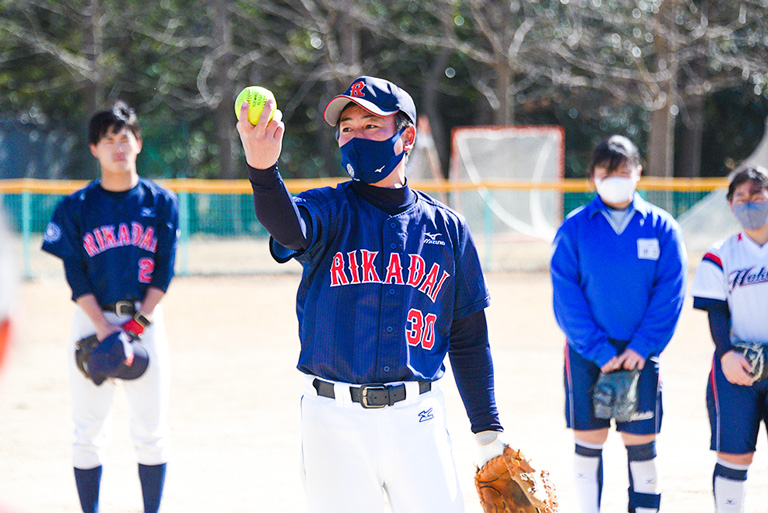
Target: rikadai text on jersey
358, 266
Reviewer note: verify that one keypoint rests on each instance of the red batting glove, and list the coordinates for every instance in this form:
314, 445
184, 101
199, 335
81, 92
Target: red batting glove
132, 326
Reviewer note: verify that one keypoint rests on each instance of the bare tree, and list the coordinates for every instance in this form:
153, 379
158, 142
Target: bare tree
327, 50
68, 40
493, 61
504, 42
665, 55
216, 84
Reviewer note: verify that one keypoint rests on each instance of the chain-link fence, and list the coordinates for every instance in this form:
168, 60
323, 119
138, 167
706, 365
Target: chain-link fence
221, 235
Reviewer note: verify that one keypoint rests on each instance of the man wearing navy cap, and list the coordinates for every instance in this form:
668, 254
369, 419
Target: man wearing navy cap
391, 283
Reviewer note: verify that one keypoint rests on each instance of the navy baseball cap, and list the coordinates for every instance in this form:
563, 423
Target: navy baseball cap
376, 95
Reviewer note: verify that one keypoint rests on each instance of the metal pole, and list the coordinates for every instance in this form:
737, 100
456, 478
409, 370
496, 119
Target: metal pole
26, 223
183, 233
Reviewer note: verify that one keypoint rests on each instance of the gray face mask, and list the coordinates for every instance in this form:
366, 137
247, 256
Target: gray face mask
752, 215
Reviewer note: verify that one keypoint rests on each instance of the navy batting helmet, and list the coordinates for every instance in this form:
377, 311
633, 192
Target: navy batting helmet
118, 356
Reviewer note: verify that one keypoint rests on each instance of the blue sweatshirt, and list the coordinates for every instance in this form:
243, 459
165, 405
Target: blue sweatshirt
616, 289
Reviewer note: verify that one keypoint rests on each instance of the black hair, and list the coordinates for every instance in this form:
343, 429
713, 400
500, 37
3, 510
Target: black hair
402, 120
613, 153
113, 120
755, 174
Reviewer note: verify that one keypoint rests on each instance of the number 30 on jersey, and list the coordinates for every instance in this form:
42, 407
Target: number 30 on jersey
421, 329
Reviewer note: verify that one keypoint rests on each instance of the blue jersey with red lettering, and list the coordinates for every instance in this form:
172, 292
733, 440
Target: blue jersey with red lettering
379, 293
115, 244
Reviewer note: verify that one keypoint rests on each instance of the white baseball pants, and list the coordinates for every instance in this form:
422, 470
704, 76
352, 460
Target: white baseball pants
146, 397
354, 459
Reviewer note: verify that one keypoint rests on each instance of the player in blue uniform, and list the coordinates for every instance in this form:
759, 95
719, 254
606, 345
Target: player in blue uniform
619, 275
391, 283
731, 284
117, 240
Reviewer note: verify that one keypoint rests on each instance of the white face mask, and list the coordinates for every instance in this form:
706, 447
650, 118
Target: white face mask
616, 189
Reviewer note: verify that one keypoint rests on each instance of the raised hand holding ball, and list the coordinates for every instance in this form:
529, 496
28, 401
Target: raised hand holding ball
262, 140
257, 97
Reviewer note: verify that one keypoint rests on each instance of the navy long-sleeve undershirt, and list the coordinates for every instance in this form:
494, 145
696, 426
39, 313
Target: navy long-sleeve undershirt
719, 323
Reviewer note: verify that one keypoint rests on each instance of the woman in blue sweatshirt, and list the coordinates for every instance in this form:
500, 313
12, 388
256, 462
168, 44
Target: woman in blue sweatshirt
619, 275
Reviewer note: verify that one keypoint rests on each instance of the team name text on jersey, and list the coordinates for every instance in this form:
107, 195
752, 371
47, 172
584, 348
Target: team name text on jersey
108, 237
748, 276
358, 266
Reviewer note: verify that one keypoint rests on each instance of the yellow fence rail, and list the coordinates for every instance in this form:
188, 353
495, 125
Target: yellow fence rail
37, 186
217, 221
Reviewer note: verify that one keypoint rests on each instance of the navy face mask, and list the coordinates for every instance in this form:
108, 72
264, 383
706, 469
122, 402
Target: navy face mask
370, 161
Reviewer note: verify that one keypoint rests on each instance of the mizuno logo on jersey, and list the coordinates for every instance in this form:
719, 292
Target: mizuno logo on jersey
147, 212
357, 267
431, 238
748, 276
107, 237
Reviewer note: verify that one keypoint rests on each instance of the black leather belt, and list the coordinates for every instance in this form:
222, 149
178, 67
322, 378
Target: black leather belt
371, 396
121, 307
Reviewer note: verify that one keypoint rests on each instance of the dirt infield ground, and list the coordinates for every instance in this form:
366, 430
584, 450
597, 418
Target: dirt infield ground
235, 414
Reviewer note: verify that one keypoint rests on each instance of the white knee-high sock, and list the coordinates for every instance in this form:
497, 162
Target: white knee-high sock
644, 486
588, 475
729, 485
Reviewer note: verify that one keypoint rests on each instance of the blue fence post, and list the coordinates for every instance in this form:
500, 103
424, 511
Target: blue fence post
183, 249
26, 226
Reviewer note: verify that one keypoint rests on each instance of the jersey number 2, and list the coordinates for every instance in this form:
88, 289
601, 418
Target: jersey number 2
421, 329
146, 266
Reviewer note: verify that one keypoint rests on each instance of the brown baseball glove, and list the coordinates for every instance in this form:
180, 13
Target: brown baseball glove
509, 484
83, 349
